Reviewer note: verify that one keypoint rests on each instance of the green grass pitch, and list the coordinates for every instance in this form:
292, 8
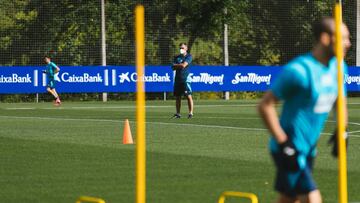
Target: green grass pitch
50, 154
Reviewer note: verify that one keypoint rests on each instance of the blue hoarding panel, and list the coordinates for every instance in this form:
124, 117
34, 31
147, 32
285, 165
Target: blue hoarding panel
232, 78
352, 79
123, 79
73, 79
19, 80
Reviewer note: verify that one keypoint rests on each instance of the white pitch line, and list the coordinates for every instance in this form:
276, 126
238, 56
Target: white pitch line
114, 107
155, 123
352, 123
231, 118
167, 106
132, 107
116, 121
209, 126
224, 117
21, 108
60, 119
129, 107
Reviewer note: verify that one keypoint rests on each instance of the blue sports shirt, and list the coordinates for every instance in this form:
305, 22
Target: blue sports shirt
309, 90
50, 69
183, 73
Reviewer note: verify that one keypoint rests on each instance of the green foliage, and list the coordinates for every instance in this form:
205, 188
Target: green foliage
207, 53
119, 32
13, 19
245, 95
260, 31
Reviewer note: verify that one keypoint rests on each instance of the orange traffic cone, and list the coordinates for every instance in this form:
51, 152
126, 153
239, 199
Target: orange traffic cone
127, 138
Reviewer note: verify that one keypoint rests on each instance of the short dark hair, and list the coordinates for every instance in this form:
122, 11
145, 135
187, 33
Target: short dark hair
47, 56
182, 43
324, 25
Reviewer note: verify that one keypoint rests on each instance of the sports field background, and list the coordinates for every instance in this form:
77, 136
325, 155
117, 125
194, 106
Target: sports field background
50, 154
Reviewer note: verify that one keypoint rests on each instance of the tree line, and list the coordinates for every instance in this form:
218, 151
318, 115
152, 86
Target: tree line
261, 32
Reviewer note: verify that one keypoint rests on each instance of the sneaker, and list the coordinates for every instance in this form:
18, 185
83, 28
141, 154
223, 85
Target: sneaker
176, 116
190, 115
57, 102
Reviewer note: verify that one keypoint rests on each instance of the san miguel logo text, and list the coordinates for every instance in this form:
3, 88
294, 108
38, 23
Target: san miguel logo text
251, 78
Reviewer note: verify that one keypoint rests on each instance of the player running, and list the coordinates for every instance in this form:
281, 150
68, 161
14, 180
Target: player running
51, 70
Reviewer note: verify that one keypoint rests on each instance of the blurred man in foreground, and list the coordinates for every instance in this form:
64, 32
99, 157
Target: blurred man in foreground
308, 88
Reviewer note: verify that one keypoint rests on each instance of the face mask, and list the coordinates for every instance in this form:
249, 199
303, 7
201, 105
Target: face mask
182, 51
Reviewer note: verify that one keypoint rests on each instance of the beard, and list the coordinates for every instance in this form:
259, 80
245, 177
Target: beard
330, 50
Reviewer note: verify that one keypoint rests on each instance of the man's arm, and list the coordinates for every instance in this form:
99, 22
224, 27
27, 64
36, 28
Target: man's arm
346, 112
57, 69
269, 116
334, 138
180, 65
